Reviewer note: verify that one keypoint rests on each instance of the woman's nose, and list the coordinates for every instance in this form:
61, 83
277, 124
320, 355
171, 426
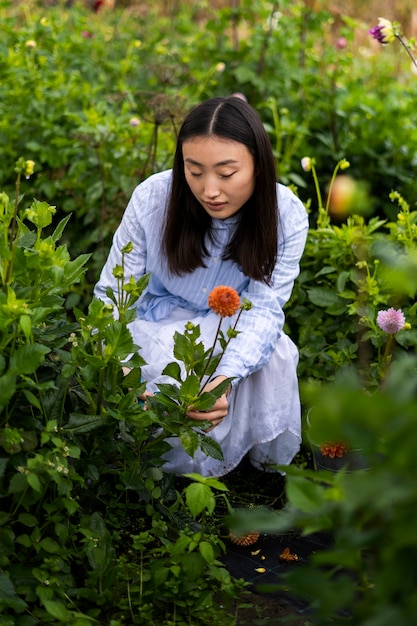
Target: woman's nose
211, 189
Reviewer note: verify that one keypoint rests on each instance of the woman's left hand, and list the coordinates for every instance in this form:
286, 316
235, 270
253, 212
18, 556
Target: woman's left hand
219, 409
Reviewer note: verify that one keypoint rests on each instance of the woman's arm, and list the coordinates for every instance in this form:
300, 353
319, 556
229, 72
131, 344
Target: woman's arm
261, 326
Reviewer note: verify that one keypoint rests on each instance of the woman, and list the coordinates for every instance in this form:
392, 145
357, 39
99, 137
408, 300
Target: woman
219, 218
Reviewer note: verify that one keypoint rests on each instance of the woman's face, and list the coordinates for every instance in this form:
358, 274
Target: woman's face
220, 173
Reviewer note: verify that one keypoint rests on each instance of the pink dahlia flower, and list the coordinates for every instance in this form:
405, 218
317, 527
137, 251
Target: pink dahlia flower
391, 321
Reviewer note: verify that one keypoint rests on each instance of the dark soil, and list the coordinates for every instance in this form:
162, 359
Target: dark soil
250, 488
259, 610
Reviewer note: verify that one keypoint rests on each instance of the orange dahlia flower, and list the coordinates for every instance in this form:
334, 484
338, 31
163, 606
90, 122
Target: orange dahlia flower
224, 301
333, 449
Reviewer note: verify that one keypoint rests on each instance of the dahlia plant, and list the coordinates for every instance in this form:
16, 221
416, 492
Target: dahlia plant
387, 32
199, 363
360, 289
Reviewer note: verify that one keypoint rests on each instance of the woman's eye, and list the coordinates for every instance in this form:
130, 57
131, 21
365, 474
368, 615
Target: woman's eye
195, 174
226, 175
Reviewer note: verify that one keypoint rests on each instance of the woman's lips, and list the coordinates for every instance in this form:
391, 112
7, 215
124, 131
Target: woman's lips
215, 206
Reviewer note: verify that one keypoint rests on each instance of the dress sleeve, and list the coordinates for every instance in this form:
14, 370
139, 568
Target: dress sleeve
261, 326
140, 225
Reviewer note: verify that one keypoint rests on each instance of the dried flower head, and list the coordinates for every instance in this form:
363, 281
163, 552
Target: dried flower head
247, 539
224, 301
384, 32
391, 321
333, 448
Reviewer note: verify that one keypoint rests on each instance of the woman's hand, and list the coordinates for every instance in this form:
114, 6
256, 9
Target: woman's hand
219, 409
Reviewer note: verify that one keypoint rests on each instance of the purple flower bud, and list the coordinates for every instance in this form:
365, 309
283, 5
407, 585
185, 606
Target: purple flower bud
391, 321
384, 32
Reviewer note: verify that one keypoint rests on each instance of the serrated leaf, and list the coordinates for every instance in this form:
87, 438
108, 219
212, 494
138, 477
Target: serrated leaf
199, 497
189, 441
183, 348
80, 423
190, 387
26, 359
210, 447
170, 391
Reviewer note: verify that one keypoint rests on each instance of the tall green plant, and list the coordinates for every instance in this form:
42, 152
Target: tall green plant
85, 506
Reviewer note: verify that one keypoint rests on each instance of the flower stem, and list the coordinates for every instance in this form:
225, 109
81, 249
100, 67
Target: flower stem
407, 49
386, 358
212, 350
336, 169
322, 221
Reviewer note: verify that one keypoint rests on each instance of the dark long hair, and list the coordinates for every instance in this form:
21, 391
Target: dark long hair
254, 244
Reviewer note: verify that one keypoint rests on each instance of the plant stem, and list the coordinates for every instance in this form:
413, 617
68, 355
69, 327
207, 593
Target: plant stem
13, 227
407, 49
336, 169
212, 350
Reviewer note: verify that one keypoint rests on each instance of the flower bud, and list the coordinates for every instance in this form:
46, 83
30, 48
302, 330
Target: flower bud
306, 163
29, 168
384, 32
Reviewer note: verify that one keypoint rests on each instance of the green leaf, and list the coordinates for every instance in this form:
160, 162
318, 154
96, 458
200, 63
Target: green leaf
214, 483
25, 323
7, 541
210, 447
323, 296
32, 399
18, 483
27, 519
7, 388
79, 423
183, 348
206, 551
173, 370
190, 387
198, 498
305, 494
57, 234
118, 341
170, 391
7, 589
189, 441
33, 481
58, 611
50, 545
3, 464
26, 359
74, 270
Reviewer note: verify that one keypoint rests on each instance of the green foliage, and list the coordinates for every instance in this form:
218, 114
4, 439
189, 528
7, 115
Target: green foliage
349, 271
96, 100
91, 530
366, 575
